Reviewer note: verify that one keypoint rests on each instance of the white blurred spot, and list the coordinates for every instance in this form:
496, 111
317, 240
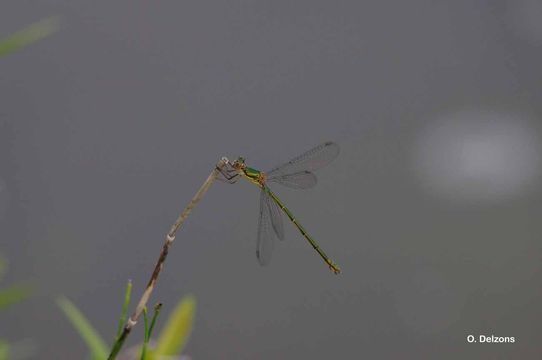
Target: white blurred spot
525, 18
478, 155
427, 304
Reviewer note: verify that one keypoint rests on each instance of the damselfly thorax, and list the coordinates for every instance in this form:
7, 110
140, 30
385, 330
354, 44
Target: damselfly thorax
253, 175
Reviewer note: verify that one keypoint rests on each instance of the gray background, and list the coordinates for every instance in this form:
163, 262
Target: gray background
109, 127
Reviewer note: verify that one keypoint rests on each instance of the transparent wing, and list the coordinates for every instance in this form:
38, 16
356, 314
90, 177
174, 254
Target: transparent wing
311, 160
264, 245
276, 215
299, 180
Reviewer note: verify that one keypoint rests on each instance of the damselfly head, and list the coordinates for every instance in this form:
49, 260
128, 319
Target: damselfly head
239, 164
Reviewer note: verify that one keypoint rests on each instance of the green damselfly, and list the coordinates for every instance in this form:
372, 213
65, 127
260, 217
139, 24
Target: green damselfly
297, 174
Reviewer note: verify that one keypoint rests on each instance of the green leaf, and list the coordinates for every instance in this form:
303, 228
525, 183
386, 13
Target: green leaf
125, 305
178, 328
4, 350
94, 342
14, 295
28, 35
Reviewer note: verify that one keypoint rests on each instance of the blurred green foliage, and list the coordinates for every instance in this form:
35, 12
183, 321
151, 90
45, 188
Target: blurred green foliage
4, 350
10, 296
8, 45
178, 327
90, 336
170, 342
28, 35
13, 294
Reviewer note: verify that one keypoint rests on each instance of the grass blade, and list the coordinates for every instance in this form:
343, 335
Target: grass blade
146, 336
178, 328
28, 35
94, 342
148, 329
157, 309
124, 312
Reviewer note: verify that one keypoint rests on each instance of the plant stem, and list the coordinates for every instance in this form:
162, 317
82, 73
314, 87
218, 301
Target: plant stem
170, 237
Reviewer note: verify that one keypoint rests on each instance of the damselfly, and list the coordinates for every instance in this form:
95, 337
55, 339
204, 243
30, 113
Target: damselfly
297, 174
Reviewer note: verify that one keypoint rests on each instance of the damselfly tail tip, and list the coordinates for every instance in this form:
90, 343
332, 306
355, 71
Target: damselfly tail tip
335, 269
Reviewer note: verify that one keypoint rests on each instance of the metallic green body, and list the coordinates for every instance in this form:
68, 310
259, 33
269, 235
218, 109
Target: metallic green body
252, 174
302, 230
258, 178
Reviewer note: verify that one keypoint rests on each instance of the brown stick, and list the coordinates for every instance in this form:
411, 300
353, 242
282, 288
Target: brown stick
170, 237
